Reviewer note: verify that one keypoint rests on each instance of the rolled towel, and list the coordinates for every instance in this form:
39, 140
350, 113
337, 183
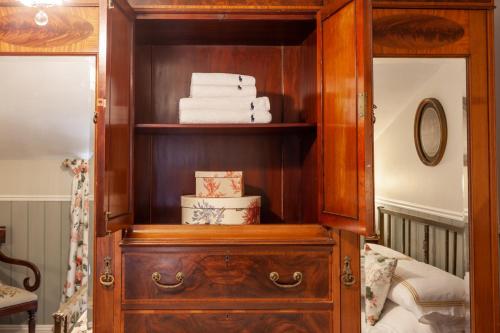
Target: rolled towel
223, 91
222, 79
223, 117
227, 103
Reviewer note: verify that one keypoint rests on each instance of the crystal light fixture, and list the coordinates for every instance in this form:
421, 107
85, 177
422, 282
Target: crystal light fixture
41, 17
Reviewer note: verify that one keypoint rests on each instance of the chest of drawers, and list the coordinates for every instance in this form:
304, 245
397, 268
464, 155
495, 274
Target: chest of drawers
244, 284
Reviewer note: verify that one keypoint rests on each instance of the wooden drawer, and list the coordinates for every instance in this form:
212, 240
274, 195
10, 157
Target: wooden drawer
228, 322
228, 274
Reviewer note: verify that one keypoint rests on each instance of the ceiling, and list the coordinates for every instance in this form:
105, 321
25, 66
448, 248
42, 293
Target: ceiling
46, 107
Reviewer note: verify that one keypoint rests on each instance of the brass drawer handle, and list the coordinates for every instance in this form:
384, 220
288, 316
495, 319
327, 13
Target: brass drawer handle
107, 280
297, 276
157, 277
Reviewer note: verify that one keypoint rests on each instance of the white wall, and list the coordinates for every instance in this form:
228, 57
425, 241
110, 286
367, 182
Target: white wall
29, 179
399, 173
47, 106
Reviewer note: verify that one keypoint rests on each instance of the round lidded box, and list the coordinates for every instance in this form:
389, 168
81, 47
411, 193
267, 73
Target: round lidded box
223, 211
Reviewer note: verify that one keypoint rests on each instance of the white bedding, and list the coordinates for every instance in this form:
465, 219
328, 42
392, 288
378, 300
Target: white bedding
395, 319
81, 325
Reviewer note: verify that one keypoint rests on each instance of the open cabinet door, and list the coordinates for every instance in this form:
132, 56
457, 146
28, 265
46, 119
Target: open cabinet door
345, 122
114, 118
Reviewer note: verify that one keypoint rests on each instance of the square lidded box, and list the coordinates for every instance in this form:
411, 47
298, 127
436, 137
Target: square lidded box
219, 184
227, 211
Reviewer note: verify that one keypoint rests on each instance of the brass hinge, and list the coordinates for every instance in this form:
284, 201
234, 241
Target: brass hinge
111, 4
96, 116
362, 101
107, 216
101, 102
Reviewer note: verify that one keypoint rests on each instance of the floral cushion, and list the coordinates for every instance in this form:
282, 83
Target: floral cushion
10, 296
378, 275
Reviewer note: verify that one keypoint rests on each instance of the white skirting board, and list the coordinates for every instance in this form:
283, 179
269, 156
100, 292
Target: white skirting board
24, 328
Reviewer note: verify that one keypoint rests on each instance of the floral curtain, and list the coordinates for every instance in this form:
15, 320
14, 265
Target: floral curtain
78, 266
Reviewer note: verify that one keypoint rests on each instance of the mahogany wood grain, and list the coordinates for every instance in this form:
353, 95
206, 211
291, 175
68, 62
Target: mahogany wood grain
228, 129
241, 3
119, 120
203, 6
143, 172
227, 273
482, 190
143, 83
434, 4
224, 29
73, 3
493, 160
345, 133
256, 155
175, 235
71, 30
349, 305
286, 321
476, 46
262, 153
103, 298
420, 32
339, 139
180, 61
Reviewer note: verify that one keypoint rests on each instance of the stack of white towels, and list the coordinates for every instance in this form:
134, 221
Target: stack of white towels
219, 98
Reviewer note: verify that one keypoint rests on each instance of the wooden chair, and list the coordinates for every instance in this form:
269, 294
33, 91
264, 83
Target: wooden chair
14, 300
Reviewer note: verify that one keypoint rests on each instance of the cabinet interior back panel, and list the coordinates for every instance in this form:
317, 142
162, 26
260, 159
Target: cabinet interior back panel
274, 165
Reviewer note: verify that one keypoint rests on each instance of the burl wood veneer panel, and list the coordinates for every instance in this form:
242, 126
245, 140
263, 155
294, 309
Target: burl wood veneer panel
70, 30
420, 32
228, 322
231, 274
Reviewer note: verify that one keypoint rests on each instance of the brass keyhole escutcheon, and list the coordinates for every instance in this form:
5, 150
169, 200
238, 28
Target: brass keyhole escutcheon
347, 277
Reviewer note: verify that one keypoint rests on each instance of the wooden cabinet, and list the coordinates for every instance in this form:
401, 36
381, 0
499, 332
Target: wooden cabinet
312, 166
300, 163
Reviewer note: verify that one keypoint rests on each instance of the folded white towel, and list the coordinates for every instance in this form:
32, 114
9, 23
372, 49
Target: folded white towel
225, 103
223, 91
222, 79
223, 117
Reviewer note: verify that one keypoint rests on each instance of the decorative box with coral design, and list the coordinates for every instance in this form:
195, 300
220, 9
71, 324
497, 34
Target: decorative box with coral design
219, 184
228, 211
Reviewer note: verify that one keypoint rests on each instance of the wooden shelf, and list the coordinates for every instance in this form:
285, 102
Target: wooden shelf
232, 129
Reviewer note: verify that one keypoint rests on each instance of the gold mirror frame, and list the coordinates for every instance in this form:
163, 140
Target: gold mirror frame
427, 159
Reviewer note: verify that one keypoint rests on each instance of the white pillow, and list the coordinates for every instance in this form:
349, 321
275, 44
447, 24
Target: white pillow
378, 274
432, 294
389, 253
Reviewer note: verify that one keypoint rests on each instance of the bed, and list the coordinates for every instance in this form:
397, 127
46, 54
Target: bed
421, 273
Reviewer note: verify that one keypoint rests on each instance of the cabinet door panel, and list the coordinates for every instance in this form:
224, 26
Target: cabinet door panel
114, 128
345, 122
